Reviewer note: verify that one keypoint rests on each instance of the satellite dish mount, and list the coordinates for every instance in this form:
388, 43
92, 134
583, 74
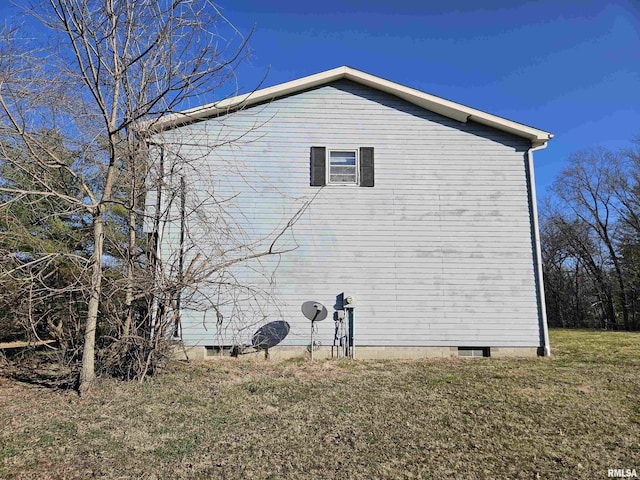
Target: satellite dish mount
316, 312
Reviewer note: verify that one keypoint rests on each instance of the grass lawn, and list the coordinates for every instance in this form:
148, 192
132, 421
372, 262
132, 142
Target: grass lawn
573, 416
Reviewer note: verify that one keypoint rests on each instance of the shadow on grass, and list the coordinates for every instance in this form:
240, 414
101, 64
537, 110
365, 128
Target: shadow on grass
35, 366
53, 382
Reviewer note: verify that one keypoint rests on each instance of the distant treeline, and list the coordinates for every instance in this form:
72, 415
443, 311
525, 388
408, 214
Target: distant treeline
590, 235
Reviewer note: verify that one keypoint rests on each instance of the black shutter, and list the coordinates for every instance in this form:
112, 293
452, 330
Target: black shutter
366, 167
318, 166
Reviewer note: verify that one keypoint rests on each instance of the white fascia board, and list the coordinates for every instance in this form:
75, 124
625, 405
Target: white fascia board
242, 101
447, 108
444, 107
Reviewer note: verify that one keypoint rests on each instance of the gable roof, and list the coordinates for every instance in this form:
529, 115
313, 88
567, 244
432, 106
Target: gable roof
444, 107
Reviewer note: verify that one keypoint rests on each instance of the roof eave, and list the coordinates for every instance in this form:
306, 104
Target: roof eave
444, 107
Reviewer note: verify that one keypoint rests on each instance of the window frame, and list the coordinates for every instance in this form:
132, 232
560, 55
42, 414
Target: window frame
356, 152
474, 352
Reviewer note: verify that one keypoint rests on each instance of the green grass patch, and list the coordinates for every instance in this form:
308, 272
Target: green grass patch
572, 416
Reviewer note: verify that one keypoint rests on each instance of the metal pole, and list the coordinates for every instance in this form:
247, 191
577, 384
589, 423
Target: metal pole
312, 340
353, 336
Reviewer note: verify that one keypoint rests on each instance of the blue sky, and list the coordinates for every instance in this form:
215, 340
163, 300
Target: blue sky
571, 67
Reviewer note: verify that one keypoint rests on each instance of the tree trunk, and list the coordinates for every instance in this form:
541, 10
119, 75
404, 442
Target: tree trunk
604, 234
131, 251
130, 272
87, 374
623, 288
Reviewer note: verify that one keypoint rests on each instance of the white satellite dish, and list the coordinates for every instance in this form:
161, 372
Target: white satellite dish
315, 312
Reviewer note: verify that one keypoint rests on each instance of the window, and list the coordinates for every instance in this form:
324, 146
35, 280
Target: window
474, 352
343, 167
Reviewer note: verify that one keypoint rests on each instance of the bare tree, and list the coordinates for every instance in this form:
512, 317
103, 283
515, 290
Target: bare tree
115, 70
592, 235
577, 280
587, 187
111, 66
205, 244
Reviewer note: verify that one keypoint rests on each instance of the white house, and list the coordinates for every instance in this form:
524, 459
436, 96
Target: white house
421, 209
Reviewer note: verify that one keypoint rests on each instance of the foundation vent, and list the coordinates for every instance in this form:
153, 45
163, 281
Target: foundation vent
474, 352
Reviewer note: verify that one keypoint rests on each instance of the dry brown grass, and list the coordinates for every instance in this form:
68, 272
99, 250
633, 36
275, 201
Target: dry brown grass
573, 416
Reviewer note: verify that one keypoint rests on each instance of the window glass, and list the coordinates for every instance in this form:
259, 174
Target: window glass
473, 352
343, 166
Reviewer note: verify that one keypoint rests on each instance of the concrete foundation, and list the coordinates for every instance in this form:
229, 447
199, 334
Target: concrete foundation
504, 352
362, 353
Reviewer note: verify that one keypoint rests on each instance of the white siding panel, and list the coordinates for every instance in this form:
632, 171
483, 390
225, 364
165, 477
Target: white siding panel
438, 253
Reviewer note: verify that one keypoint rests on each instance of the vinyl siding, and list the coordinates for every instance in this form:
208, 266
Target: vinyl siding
438, 253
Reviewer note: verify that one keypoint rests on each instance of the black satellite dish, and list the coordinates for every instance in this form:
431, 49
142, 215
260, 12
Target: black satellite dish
314, 311
270, 335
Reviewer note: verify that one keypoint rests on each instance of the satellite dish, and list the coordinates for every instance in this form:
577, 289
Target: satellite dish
270, 335
314, 311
